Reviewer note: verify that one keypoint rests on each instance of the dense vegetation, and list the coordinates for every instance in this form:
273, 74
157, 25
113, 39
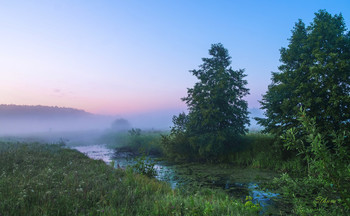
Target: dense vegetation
308, 111
315, 75
41, 179
323, 188
134, 140
217, 112
308, 115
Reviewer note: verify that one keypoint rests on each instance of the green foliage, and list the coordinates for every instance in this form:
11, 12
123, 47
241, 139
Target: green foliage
176, 147
329, 163
40, 179
216, 102
309, 196
144, 166
258, 150
217, 112
248, 203
136, 140
314, 74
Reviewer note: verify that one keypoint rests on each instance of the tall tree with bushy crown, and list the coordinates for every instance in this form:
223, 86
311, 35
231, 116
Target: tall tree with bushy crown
217, 111
216, 101
315, 75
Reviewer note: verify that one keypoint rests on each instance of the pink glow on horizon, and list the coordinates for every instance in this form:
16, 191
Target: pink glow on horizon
99, 57
98, 102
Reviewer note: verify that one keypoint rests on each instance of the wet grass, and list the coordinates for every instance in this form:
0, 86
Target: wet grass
39, 179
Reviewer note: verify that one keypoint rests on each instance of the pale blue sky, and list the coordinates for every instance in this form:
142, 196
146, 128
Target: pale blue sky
115, 57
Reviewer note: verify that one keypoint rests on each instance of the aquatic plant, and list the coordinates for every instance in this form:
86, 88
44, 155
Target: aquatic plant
144, 165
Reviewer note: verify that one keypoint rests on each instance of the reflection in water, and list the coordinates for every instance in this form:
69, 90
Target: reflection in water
97, 152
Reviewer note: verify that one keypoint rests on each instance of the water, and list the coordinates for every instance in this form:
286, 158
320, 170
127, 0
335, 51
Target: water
238, 182
97, 152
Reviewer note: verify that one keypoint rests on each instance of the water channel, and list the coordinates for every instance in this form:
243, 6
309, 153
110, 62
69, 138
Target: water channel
238, 182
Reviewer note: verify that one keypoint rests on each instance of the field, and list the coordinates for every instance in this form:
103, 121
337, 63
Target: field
39, 179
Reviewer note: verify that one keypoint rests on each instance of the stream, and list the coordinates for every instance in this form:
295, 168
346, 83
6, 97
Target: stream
238, 182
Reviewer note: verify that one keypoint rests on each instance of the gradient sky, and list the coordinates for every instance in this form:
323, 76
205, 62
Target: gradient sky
121, 57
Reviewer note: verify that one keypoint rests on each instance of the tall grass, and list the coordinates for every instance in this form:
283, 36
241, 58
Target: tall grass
251, 150
148, 141
37, 179
259, 151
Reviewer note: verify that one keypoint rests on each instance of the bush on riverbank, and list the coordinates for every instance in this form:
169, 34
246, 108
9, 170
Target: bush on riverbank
135, 140
323, 187
259, 151
251, 150
49, 180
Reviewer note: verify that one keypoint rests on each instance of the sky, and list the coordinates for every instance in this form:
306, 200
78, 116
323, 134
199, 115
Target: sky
124, 57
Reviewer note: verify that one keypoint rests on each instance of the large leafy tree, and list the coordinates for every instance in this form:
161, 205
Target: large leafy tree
216, 102
315, 75
217, 111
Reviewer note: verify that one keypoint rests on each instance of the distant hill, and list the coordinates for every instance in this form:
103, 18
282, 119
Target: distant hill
23, 119
25, 111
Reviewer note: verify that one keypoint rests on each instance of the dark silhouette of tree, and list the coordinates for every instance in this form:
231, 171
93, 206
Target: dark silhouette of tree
315, 75
217, 111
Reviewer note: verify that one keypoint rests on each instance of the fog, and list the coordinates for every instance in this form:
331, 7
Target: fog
28, 124
37, 124
78, 130
54, 124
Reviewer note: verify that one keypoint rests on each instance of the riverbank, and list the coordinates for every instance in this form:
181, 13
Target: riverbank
302, 194
39, 179
236, 181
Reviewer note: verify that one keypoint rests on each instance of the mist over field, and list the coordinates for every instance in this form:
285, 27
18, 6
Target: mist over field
34, 119
24, 120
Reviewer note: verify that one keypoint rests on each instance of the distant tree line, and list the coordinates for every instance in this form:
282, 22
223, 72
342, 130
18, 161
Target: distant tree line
39, 111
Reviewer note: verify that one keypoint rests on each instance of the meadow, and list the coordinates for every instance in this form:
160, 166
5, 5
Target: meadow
42, 179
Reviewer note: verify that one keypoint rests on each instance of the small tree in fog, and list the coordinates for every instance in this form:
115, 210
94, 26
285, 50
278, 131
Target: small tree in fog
217, 112
120, 125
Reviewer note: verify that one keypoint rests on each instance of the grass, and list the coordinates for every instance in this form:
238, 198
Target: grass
259, 151
148, 141
310, 196
255, 150
40, 179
